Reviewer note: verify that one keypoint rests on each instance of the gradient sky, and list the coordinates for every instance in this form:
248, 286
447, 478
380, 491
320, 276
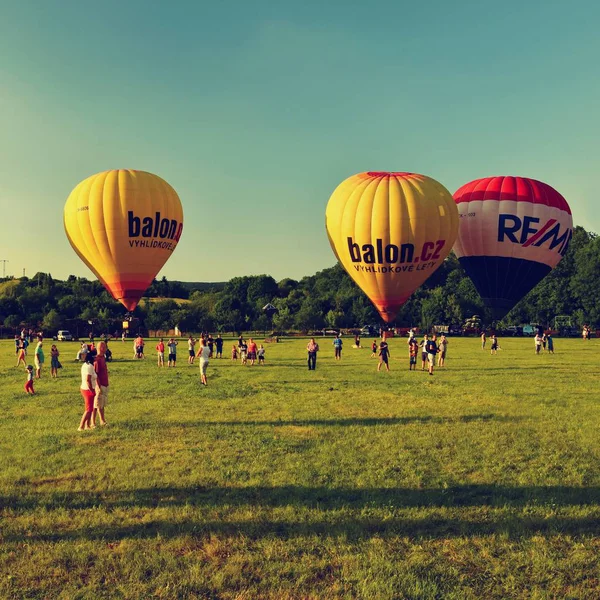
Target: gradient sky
255, 111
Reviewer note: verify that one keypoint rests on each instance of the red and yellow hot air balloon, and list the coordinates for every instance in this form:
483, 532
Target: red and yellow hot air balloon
391, 231
124, 225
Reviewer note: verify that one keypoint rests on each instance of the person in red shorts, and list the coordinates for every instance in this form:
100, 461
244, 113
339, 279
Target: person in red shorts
29, 382
88, 390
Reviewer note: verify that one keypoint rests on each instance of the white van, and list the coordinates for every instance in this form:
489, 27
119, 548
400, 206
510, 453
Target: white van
64, 335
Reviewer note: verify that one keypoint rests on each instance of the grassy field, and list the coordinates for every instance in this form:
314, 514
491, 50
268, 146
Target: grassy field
482, 481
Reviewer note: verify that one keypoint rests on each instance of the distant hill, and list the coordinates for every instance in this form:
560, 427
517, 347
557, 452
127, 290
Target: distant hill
201, 286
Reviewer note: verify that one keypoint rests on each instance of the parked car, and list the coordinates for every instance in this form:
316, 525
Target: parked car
532, 329
64, 335
513, 330
369, 330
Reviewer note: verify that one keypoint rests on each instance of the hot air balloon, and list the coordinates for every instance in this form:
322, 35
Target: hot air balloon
124, 225
512, 232
391, 231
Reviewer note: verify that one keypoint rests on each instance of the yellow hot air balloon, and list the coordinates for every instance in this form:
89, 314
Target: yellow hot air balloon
124, 225
391, 231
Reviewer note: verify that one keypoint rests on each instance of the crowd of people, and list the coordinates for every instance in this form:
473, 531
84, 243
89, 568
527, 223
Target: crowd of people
94, 372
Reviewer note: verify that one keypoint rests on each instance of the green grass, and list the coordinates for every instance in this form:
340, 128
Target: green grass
482, 481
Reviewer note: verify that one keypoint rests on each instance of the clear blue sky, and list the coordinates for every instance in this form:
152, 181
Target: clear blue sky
255, 111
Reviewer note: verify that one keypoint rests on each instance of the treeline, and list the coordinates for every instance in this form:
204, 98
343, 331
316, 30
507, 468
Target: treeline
327, 299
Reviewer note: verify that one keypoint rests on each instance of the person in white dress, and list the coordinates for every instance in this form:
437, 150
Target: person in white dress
203, 356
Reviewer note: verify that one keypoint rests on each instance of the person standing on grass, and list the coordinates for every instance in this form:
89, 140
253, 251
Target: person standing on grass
312, 347
243, 349
337, 346
544, 341
234, 352
374, 349
261, 355
88, 391
384, 355
191, 350
252, 349
17, 345
54, 362
442, 347
29, 381
101, 397
538, 343
550, 344
431, 349
413, 349
494, 346
203, 356
219, 346
21, 355
423, 346
357, 340
172, 352
483, 340
160, 352
39, 360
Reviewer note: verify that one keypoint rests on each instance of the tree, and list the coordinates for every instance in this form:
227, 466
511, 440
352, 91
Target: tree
12, 321
52, 320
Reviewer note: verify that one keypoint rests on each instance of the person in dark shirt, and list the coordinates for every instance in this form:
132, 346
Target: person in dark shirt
219, 345
431, 348
384, 355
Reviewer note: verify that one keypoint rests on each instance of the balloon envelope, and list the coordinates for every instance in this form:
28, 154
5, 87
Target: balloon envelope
124, 225
391, 231
512, 232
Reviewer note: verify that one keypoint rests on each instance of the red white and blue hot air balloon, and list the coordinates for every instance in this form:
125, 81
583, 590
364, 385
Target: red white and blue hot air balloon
512, 232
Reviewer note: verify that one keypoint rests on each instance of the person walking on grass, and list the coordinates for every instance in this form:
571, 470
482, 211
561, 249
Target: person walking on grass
54, 362
550, 343
261, 355
203, 358
431, 349
483, 340
413, 349
29, 381
88, 391
442, 348
312, 348
243, 350
191, 350
21, 355
101, 397
423, 346
160, 353
384, 355
374, 349
39, 360
252, 349
494, 346
172, 353
337, 346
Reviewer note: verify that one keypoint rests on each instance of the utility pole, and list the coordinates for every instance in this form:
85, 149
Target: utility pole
3, 267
